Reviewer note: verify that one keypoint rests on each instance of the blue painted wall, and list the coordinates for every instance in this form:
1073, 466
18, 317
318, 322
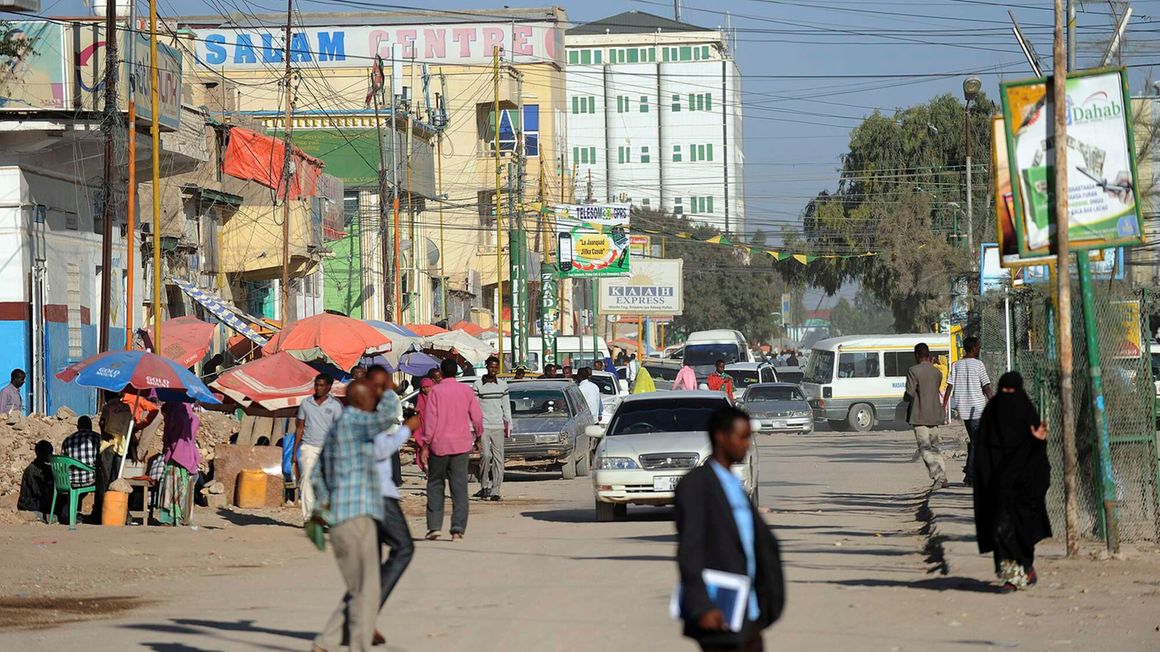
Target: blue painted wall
80, 399
14, 354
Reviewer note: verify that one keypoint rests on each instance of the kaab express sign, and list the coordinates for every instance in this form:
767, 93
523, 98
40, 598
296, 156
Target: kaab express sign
653, 289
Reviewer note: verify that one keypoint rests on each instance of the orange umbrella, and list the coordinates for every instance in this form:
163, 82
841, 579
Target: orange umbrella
474, 330
425, 330
337, 339
276, 382
185, 340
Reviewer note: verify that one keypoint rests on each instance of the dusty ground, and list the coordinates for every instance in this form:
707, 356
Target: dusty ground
537, 573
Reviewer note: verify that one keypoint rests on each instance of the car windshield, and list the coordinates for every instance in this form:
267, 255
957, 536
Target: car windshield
708, 354
790, 376
605, 383
773, 394
820, 368
538, 403
744, 377
662, 372
664, 415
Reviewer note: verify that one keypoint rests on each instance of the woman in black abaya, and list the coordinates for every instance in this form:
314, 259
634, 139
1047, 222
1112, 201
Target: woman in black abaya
1012, 475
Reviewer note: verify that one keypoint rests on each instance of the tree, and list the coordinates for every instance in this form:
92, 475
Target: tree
723, 286
865, 316
901, 196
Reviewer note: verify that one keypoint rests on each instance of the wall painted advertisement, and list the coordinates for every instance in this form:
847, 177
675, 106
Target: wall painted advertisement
654, 288
1101, 174
593, 240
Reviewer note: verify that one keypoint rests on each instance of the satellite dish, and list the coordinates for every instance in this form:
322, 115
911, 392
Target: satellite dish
432, 252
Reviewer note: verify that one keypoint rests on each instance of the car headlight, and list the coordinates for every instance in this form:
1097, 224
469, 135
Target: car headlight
563, 436
802, 413
616, 463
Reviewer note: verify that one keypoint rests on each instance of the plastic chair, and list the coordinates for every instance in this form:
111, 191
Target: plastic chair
61, 482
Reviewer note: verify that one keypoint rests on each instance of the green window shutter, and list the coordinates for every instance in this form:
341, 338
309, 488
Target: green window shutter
708, 101
575, 154
596, 56
644, 103
693, 205
632, 55
573, 57
693, 153
676, 153
592, 151
586, 57
686, 53
676, 103
620, 155
704, 51
700, 101
709, 147
644, 157
692, 102
700, 152
592, 104
710, 203
665, 54
575, 105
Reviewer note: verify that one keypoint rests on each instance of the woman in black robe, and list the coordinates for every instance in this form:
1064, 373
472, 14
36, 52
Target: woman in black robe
1011, 482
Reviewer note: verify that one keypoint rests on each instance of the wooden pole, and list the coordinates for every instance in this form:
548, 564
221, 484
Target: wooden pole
1062, 247
155, 138
498, 211
286, 173
131, 195
110, 120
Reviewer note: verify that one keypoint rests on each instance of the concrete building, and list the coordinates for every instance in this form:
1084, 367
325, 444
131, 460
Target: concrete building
446, 61
654, 117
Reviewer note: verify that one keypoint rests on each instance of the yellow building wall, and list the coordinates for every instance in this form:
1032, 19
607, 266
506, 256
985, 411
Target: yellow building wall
251, 240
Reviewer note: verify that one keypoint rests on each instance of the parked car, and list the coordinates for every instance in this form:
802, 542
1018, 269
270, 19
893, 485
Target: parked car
746, 374
549, 422
611, 390
778, 407
651, 442
788, 374
663, 372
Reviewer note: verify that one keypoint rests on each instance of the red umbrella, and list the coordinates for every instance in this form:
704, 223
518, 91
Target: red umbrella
273, 382
340, 340
474, 330
425, 330
185, 340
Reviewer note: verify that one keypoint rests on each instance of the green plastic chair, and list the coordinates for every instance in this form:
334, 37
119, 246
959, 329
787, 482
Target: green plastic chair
61, 482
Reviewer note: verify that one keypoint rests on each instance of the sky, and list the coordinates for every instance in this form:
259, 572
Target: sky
812, 69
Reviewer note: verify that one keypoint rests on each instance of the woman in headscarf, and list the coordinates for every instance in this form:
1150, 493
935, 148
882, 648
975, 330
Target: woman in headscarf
643, 383
1012, 475
179, 450
686, 379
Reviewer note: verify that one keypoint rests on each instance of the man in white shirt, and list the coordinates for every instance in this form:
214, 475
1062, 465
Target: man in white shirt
591, 393
316, 416
971, 390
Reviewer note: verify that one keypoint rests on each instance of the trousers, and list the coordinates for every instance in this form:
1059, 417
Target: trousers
356, 549
394, 533
491, 460
450, 470
307, 459
927, 441
972, 426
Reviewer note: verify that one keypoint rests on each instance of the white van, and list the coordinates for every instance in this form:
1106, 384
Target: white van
857, 381
568, 347
704, 348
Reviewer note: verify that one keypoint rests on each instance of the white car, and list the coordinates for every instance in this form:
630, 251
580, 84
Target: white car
652, 441
612, 389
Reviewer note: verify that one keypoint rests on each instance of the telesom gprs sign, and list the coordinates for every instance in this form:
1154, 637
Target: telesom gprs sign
357, 46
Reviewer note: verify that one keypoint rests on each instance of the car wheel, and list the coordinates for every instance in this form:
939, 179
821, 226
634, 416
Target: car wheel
605, 512
582, 462
620, 511
568, 469
861, 418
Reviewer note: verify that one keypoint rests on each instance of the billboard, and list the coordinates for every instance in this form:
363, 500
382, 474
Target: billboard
593, 240
639, 244
356, 46
37, 76
88, 49
1102, 205
653, 289
168, 82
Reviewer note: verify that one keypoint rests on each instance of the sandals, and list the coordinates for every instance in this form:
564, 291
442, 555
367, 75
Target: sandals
433, 535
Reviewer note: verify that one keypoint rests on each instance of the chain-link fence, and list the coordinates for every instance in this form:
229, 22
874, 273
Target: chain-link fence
1018, 330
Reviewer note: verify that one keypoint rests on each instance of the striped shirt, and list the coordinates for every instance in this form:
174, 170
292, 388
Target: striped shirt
346, 481
969, 377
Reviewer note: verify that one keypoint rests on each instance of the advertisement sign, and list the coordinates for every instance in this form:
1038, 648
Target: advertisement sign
356, 46
549, 309
1105, 264
37, 77
1131, 342
168, 82
992, 275
1102, 205
654, 288
639, 244
593, 240
88, 48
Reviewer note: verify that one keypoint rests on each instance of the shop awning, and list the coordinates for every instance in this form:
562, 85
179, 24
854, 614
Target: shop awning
218, 308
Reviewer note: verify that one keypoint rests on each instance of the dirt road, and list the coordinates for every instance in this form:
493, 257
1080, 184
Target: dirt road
537, 573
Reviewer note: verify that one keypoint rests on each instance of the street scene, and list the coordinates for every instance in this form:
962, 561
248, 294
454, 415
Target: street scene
606, 326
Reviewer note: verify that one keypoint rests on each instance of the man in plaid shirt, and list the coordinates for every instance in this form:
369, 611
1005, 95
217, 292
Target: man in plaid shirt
83, 446
348, 497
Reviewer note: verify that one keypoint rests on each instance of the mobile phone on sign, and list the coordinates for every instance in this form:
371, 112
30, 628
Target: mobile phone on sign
565, 248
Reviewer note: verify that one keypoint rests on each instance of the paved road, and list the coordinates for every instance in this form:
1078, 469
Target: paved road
537, 573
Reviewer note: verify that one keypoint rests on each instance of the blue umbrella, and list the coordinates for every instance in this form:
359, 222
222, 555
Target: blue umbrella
113, 371
416, 363
402, 340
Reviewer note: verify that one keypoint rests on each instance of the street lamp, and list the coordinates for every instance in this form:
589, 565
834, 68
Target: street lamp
971, 87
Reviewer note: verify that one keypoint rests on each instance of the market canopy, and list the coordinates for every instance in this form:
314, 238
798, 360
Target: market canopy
402, 340
185, 340
340, 340
227, 314
274, 382
473, 349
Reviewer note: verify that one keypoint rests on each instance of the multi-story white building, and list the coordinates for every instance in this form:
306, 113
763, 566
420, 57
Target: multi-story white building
654, 117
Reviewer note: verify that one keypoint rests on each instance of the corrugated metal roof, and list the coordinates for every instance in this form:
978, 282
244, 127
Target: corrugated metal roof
633, 22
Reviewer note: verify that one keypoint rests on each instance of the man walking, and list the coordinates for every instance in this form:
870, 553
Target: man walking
925, 412
719, 530
11, 403
454, 420
969, 389
591, 393
316, 417
349, 498
492, 392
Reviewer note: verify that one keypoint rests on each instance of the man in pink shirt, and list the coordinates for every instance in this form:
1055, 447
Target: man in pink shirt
452, 423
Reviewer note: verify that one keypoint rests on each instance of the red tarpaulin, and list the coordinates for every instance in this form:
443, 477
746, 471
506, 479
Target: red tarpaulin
260, 158
185, 340
275, 382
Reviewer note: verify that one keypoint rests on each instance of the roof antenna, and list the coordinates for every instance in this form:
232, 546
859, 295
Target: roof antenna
677, 9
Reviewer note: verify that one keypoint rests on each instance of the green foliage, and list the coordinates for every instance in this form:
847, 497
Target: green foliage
723, 287
865, 316
901, 194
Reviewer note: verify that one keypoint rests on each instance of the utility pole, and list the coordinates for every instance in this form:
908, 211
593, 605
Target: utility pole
377, 91
109, 122
518, 246
1063, 259
442, 247
396, 73
287, 174
498, 203
131, 199
155, 138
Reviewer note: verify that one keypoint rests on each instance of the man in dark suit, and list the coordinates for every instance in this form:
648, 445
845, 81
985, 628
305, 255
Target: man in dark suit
718, 528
